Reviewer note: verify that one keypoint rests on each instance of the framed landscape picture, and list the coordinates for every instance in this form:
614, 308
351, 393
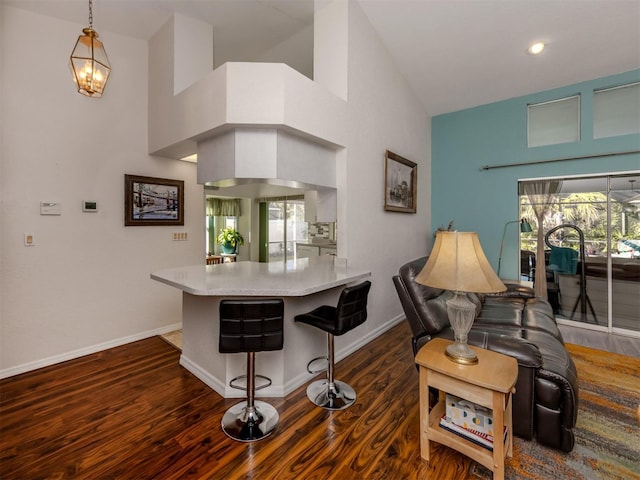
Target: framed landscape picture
401, 181
153, 201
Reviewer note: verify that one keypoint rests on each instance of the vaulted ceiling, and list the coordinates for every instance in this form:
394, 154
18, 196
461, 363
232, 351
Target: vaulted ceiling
455, 54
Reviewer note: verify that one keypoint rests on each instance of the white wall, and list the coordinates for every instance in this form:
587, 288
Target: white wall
383, 114
85, 284
294, 52
195, 37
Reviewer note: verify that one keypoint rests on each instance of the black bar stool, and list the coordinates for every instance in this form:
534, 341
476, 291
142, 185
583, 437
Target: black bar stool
250, 326
351, 311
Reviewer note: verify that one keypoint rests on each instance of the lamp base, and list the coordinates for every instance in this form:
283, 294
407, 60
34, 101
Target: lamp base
461, 353
461, 312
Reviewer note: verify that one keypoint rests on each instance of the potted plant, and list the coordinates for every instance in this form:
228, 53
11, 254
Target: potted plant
229, 240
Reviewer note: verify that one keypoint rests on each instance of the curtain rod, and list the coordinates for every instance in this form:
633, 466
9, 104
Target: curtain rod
537, 162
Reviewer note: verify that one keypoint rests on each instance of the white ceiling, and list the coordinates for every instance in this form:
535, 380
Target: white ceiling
455, 54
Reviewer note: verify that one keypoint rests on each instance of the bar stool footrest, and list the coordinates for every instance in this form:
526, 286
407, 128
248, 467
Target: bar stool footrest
317, 359
234, 383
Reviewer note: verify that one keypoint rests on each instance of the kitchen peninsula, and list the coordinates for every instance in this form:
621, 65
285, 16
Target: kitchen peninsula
303, 285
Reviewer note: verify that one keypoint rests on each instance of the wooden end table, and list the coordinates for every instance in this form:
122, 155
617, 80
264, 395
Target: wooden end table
490, 384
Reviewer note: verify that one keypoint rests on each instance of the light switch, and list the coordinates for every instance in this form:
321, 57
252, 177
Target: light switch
29, 240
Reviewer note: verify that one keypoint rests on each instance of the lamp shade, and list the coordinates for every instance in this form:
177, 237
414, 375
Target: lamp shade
525, 227
458, 263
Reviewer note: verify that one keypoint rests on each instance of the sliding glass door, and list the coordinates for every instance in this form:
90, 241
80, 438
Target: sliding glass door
592, 250
625, 252
283, 220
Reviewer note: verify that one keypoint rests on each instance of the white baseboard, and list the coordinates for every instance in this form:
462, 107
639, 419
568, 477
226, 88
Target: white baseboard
340, 354
81, 352
228, 392
195, 369
204, 376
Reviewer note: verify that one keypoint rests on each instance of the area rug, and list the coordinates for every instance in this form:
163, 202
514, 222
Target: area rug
607, 431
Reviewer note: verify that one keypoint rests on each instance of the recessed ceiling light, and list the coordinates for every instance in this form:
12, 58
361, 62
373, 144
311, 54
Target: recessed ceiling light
536, 48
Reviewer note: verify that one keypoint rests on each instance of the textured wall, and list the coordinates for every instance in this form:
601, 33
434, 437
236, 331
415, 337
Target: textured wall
85, 284
484, 200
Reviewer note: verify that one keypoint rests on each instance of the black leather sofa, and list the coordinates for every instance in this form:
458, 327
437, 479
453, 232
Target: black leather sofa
515, 323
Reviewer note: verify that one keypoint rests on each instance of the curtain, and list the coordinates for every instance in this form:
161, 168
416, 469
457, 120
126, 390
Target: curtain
223, 207
541, 194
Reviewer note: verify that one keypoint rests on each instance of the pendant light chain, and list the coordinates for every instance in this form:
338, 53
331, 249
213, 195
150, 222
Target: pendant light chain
91, 14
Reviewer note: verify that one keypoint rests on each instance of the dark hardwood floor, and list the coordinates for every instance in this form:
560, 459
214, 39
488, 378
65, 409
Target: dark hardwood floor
133, 413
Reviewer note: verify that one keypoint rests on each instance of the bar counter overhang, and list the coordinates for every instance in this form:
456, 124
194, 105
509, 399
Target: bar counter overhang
303, 285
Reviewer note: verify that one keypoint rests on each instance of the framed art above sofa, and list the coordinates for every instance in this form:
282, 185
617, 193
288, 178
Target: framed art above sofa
401, 182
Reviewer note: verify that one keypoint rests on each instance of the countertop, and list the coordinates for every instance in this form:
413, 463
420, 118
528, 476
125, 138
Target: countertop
294, 278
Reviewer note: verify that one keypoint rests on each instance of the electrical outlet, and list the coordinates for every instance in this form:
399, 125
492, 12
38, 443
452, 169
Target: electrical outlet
180, 236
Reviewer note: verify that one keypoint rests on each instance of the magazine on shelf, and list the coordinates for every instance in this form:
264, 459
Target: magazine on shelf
481, 439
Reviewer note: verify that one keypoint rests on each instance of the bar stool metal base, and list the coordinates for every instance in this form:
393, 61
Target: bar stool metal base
336, 396
250, 424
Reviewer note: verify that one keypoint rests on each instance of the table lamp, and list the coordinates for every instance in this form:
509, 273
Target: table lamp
457, 263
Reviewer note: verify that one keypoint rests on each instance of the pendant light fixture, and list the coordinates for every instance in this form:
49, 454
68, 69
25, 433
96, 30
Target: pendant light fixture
89, 63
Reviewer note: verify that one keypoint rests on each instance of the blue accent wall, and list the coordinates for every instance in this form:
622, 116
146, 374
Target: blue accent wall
484, 200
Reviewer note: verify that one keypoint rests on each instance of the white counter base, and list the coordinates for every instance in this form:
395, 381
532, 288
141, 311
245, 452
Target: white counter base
303, 285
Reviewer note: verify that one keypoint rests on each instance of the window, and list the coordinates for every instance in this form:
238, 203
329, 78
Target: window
553, 122
220, 213
616, 111
213, 225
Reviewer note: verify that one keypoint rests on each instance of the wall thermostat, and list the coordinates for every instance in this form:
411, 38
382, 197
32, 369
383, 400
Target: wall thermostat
50, 208
89, 206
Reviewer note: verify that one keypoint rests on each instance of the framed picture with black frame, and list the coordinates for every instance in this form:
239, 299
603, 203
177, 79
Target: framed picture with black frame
401, 182
153, 201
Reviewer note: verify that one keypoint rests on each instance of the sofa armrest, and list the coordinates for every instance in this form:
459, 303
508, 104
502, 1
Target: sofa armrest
526, 353
515, 290
410, 312
556, 410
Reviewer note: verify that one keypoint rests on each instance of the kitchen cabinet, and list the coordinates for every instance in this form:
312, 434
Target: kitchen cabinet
306, 251
327, 250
